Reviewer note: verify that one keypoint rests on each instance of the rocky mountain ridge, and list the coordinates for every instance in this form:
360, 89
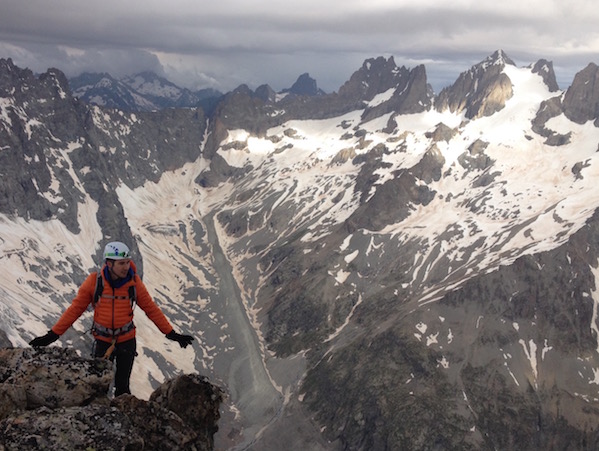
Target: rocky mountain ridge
53, 399
145, 91
369, 269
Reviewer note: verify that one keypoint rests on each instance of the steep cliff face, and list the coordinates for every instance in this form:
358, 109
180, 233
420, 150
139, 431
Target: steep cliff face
581, 100
52, 399
545, 69
481, 91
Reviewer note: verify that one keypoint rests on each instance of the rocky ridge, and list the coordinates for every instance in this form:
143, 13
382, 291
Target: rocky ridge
50, 398
145, 91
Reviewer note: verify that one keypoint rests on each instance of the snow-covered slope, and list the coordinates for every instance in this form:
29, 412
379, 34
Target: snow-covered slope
361, 280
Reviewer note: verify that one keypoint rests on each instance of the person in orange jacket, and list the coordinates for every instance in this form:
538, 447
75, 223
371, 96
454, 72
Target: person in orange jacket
113, 327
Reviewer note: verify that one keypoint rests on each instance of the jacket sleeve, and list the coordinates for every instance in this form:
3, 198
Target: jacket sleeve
147, 304
78, 305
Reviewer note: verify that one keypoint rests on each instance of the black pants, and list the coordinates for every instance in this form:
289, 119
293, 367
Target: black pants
123, 356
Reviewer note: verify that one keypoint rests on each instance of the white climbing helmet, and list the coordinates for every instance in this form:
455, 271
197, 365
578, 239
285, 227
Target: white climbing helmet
116, 251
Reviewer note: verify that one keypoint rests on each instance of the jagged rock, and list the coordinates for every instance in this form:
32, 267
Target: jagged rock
378, 75
429, 168
68, 428
350, 300
52, 377
103, 89
581, 100
549, 109
475, 158
47, 97
412, 95
50, 398
193, 398
266, 93
63, 125
305, 86
481, 91
403, 192
159, 427
4, 340
442, 133
545, 69
243, 109
142, 92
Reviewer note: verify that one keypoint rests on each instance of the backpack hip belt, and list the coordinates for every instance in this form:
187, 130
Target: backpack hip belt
111, 333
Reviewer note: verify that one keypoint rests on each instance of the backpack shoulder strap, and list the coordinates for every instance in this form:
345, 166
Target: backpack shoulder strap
99, 288
133, 292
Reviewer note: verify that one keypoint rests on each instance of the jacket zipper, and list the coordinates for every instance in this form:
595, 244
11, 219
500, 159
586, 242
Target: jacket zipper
113, 302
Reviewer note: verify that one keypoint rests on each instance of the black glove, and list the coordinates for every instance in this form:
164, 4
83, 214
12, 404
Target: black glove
50, 337
183, 340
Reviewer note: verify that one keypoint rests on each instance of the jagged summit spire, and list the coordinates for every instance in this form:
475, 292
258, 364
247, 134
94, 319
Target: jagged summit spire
500, 58
482, 90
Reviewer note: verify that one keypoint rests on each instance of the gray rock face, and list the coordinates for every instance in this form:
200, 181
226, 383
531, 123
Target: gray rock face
305, 86
581, 100
550, 109
43, 109
58, 150
580, 103
411, 93
4, 341
145, 91
52, 399
481, 91
383, 383
545, 69
52, 378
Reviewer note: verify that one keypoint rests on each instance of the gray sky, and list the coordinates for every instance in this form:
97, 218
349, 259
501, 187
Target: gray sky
224, 43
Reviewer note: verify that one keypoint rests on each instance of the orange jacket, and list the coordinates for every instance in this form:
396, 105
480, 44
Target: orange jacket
113, 310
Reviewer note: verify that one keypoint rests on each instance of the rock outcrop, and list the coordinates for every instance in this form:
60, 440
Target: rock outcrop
545, 69
581, 100
50, 398
480, 91
305, 86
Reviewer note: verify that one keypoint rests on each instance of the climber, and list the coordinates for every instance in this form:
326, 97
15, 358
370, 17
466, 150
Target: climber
113, 293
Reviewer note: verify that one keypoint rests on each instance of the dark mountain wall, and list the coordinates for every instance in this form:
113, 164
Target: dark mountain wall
581, 101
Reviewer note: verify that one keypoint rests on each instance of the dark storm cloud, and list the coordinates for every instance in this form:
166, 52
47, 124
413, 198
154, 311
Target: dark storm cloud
226, 43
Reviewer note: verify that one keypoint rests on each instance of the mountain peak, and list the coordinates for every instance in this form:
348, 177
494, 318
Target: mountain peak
545, 69
482, 90
305, 86
498, 58
377, 75
581, 100
144, 91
